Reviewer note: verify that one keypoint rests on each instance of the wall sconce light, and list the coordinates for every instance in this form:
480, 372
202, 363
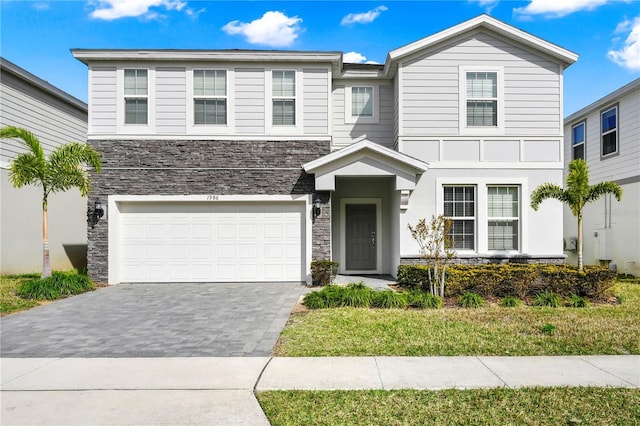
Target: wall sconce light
316, 207
97, 213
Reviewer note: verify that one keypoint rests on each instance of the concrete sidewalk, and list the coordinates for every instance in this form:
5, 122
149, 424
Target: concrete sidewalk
107, 391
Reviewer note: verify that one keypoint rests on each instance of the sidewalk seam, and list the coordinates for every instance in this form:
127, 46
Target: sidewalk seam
608, 372
375, 359
255, 386
492, 372
54, 360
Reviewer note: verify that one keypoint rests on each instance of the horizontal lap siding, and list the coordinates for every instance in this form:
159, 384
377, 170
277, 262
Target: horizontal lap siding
430, 87
249, 100
316, 101
171, 111
103, 98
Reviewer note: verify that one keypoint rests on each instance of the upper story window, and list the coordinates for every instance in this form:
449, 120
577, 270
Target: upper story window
283, 97
609, 131
460, 207
482, 99
578, 140
361, 104
210, 97
136, 96
362, 101
503, 217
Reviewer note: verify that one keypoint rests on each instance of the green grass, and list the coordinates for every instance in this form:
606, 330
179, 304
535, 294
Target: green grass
9, 301
527, 406
491, 330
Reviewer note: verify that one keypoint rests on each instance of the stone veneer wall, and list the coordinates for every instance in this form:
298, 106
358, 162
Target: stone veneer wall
169, 167
483, 260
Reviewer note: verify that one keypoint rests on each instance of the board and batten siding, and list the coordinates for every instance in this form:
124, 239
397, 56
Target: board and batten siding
171, 111
316, 101
345, 134
626, 164
430, 87
249, 100
103, 97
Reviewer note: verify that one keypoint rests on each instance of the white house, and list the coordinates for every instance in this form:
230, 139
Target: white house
56, 118
232, 165
606, 134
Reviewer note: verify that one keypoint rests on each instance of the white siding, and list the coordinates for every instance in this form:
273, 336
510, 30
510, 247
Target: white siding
249, 100
102, 99
345, 133
171, 112
430, 87
316, 102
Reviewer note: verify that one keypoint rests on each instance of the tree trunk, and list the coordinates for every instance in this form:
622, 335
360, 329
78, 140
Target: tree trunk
580, 242
46, 261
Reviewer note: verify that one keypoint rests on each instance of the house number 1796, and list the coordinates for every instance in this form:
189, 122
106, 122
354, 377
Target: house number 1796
213, 197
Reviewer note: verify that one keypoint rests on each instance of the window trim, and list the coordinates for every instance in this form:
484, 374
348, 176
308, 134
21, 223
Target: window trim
348, 100
206, 129
135, 129
490, 219
473, 218
584, 141
462, 98
270, 128
617, 130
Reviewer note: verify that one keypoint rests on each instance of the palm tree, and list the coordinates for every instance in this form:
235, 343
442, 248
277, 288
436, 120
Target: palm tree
577, 194
64, 169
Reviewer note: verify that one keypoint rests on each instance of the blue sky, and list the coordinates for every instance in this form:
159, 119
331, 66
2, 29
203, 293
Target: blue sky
37, 35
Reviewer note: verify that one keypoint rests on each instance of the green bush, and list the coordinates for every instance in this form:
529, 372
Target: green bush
59, 284
510, 302
323, 272
470, 300
547, 298
315, 300
389, 299
576, 301
356, 295
423, 300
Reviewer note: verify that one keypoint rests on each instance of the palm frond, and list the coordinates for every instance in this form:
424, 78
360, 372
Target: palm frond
545, 191
598, 190
28, 138
66, 167
26, 169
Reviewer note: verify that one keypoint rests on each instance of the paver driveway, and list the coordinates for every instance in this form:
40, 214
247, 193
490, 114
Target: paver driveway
155, 320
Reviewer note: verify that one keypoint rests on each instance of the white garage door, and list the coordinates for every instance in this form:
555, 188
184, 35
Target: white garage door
205, 242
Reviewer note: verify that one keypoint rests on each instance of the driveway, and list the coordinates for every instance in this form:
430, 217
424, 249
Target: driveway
155, 320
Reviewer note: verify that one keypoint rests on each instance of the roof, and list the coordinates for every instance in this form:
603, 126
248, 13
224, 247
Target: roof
11, 68
628, 88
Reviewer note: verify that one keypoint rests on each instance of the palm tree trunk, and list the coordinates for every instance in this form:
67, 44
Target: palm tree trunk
46, 261
580, 242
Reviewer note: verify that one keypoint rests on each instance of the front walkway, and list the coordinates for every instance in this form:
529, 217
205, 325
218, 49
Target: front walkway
203, 391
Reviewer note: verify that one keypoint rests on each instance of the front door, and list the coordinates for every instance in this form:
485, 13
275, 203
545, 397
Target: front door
360, 237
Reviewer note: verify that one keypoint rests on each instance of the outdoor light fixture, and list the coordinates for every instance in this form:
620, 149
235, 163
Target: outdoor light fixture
316, 207
97, 213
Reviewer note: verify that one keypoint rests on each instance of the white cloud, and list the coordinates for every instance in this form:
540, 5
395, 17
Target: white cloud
115, 9
363, 18
558, 8
41, 5
273, 29
628, 56
488, 5
353, 58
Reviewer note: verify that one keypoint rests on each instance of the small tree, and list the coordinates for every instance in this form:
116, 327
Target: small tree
576, 195
64, 169
436, 249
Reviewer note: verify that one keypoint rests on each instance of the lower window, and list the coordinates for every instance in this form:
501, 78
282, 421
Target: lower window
503, 217
460, 208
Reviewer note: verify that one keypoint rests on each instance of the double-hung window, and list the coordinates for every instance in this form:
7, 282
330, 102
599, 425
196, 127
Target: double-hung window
577, 140
362, 101
609, 131
482, 99
503, 217
210, 97
136, 96
283, 97
460, 208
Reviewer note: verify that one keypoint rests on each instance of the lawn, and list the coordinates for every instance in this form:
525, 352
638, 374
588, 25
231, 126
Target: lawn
527, 406
492, 330
9, 301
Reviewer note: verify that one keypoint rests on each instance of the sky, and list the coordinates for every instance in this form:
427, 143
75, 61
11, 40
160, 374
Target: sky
37, 35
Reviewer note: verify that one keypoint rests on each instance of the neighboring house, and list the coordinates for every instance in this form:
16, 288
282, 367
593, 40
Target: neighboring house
606, 134
231, 165
56, 118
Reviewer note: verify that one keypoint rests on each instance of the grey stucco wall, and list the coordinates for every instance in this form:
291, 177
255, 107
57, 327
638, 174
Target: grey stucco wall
169, 167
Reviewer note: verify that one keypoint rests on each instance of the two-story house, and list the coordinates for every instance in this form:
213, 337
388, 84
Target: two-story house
232, 165
606, 134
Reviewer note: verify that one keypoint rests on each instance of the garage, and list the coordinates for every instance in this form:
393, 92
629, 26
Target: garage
210, 242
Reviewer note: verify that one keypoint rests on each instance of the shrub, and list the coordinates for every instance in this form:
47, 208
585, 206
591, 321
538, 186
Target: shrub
510, 302
412, 276
357, 295
389, 299
323, 272
470, 300
422, 299
314, 300
59, 284
547, 298
576, 301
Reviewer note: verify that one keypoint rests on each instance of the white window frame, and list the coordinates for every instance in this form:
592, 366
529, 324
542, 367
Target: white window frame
462, 98
603, 134
584, 140
270, 128
473, 218
348, 104
208, 129
505, 218
135, 129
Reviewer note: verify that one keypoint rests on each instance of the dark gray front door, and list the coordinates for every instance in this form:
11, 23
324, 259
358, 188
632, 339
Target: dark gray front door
360, 238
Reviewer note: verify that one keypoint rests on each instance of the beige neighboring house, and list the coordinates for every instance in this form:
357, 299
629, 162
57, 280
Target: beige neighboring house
606, 134
56, 118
